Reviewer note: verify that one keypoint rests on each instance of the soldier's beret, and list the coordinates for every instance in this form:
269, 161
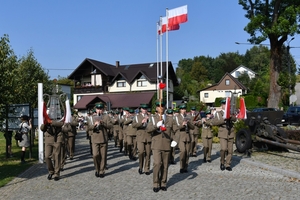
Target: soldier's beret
193, 108
131, 110
144, 105
99, 105
207, 112
170, 111
126, 108
223, 101
160, 103
182, 106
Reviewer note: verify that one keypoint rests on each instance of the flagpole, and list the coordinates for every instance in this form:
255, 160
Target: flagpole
167, 59
157, 54
161, 52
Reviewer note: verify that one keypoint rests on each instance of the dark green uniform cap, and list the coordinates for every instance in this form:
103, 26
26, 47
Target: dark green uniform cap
176, 110
207, 112
131, 110
99, 105
125, 108
144, 105
170, 111
149, 110
193, 108
182, 106
158, 103
223, 101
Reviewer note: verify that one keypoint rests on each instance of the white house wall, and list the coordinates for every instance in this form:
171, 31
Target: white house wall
212, 95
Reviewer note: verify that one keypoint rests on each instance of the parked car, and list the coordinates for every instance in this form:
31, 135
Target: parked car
264, 109
292, 115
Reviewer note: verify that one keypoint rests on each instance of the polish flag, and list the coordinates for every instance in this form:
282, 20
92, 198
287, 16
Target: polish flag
177, 16
242, 114
163, 27
227, 109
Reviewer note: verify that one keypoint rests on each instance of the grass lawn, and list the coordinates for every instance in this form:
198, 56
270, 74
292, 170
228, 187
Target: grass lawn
12, 167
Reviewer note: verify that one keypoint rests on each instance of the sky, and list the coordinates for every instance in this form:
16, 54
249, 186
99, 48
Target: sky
63, 33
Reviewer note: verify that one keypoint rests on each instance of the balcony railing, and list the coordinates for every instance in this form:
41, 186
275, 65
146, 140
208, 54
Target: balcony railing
88, 89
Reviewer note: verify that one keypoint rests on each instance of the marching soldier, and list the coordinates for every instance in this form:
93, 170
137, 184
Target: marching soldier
183, 126
71, 136
124, 114
131, 135
99, 125
117, 129
194, 133
143, 139
89, 120
226, 135
207, 137
53, 140
160, 126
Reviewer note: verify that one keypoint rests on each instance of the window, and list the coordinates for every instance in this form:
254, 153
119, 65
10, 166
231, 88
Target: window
78, 97
141, 83
205, 95
121, 84
227, 82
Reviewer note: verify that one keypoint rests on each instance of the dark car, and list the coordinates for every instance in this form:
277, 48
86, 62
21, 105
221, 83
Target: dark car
292, 115
264, 109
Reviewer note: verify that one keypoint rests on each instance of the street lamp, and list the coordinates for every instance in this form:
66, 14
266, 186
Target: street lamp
289, 66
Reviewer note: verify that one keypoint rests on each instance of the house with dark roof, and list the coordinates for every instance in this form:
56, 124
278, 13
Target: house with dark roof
118, 85
224, 88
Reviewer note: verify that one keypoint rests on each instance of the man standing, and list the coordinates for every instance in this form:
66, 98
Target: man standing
226, 135
99, 125
194, 133
117, 129
160, 126
207, 137
143, 139
183, 126
131, 135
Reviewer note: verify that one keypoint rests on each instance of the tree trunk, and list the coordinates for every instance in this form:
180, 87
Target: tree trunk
275, 68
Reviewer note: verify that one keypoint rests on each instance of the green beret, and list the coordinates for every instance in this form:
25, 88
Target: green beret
158, 103
182, 106
207, 112
149, 110
126, 108
223, 101
193, 108
144, 105
99, 105
176, 110
170, 111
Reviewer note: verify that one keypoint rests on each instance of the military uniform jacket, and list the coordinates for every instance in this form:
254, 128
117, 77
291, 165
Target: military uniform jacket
53, 131
100, 136
206, 129
195, 131
183, 133
127, 126
117, 122
142, 135
226, 130
161, 140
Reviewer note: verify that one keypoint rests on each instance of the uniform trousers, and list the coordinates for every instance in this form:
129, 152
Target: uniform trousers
226, 146
131, 145
160, 167
53, 151
207, 146
193, 149
144, 149
184, 154
71, 145
99, 156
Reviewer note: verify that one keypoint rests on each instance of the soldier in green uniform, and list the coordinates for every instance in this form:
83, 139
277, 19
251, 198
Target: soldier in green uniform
140, 122
160, 126
194, 133
183, 126
207, 137
226, 134
131, 135
99, 125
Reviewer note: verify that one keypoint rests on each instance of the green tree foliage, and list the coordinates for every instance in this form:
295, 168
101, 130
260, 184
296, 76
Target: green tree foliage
274, 20
8, 66
31, 73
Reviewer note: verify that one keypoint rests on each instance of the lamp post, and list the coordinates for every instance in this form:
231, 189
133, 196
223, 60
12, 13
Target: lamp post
289, 66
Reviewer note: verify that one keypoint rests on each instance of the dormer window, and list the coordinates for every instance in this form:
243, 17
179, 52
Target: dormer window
142, 82
121, 83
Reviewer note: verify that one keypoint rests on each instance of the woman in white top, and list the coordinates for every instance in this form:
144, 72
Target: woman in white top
25, 127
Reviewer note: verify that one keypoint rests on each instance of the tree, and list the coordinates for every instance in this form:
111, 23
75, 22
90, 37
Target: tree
8, 67
28, 74
274, 20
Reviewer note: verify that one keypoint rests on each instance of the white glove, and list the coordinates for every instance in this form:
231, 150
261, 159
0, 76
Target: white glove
173, 143
159, 124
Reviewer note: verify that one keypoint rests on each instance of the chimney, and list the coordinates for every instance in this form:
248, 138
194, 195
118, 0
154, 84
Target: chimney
117, 64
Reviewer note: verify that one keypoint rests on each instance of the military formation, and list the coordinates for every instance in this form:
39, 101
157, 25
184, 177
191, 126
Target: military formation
143, 137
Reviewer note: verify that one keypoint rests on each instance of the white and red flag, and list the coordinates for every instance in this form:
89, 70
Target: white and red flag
227, 109
243, 113
177, 16
163, 26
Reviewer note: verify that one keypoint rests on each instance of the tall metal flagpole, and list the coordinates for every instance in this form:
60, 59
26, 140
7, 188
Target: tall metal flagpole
157, 53
167, 58
161, 52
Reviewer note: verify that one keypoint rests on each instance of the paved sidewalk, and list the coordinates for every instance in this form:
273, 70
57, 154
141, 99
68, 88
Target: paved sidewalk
248, 180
